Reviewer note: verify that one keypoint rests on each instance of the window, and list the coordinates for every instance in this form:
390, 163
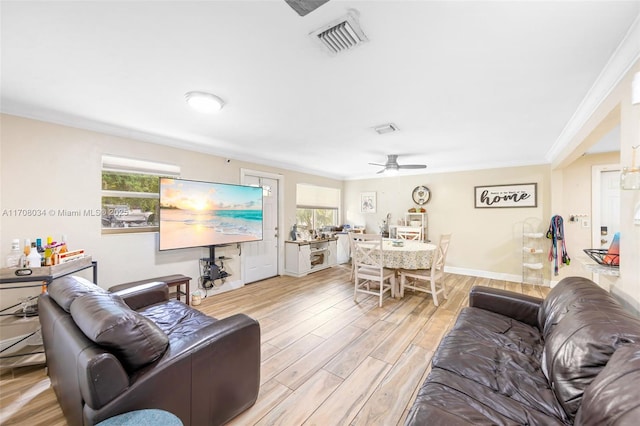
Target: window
130, 197
315, 218
317, 206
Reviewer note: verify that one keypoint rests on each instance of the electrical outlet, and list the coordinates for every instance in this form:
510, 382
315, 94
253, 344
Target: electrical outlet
585, 223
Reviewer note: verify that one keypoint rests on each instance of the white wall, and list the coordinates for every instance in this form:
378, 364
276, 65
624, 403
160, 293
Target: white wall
614, 109
52, 167
485, 242
577, 189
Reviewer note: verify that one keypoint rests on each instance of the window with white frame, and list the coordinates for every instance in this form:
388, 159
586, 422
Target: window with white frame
130, 193
317, 206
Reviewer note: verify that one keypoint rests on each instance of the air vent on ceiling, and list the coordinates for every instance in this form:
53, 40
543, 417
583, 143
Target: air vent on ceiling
340, 35
386, 128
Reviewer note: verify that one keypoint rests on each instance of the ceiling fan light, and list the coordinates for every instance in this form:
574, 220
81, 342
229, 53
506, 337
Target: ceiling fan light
204, 102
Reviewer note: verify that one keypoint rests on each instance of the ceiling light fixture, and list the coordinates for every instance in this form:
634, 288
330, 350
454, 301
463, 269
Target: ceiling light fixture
204, 102
390, 172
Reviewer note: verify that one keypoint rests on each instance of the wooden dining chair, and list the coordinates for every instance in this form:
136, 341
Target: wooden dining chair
409, 233
369, 269
353, 236
434, 276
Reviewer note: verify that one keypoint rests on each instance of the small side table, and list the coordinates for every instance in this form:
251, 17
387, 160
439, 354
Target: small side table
176, 280
146, 417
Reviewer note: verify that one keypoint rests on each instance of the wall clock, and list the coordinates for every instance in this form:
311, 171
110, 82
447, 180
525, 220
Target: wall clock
421, 195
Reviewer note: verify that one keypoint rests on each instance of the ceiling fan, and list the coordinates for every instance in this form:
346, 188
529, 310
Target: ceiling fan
305, 6
392, 164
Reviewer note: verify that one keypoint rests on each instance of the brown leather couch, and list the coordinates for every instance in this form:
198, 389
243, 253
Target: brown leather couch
573, 358
111, 353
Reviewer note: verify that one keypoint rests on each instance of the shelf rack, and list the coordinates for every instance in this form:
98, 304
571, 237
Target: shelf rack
532, 252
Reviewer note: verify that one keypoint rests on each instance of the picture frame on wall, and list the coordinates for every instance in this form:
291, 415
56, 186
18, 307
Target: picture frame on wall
506, 196
368, 202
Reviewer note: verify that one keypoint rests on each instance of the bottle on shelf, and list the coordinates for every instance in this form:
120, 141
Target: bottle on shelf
34, 259
48, 253
40, 250
13, 258
27, 247
39, 245
63, 247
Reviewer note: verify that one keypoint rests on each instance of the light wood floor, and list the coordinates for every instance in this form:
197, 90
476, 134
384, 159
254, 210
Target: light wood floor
325, 359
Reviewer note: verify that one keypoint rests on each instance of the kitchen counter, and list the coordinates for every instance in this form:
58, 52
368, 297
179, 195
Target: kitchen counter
306, 242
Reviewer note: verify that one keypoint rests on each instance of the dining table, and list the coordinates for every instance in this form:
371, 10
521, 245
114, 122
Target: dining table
407, 254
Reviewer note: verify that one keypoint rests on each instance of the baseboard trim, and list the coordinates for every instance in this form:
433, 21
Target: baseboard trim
227, 286
488, 274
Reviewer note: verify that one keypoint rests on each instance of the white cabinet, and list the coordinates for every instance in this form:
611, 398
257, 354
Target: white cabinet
533, 251
304, 257
333, 253
343, 250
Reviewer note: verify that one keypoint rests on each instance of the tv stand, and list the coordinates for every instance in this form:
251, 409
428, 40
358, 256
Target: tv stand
212, 269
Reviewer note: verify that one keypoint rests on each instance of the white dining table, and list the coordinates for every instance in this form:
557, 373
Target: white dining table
407, 254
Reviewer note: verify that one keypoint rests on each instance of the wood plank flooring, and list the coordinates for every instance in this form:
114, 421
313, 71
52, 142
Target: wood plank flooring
325, 359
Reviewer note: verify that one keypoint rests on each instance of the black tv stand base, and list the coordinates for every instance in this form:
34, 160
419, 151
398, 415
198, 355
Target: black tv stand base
212, 269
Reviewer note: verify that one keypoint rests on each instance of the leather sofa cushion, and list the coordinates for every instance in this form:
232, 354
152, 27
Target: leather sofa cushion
570, 294
499, 359
612, 398
66, 289
106, 320
176, 319
449, 399
579, 345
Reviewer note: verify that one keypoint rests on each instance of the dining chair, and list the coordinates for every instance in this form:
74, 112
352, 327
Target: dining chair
434, 276
368, 260
409, 233
353, 236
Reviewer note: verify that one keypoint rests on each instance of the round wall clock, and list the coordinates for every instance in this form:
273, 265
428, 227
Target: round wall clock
421, 195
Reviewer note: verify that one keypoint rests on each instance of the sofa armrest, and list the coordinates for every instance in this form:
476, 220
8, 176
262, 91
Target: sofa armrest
232, 356
142, 295
213, 374
93, 366
518, 306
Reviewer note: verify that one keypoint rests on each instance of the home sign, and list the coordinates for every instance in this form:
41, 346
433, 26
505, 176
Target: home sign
498, 196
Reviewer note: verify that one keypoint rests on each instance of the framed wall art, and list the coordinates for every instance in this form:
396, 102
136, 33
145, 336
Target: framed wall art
501, 196
368, 202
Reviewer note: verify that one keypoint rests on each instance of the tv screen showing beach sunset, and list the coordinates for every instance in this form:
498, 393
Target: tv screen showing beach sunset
194, 213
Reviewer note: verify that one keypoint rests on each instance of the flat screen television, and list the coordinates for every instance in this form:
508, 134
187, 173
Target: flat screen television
199, 214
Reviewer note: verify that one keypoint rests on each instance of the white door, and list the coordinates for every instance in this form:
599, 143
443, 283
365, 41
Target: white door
261, 257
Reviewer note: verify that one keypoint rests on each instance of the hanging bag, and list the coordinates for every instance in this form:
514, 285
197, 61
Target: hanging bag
556, 235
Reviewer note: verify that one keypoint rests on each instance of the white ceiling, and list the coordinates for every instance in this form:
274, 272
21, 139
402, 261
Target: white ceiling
470, 84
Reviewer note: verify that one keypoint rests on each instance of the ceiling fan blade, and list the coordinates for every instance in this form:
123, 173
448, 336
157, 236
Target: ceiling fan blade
377, 164
302, 7
381, 171
412, 166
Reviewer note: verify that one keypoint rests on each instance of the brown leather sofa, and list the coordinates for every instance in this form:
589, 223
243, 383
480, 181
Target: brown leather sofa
573, 358
111, 353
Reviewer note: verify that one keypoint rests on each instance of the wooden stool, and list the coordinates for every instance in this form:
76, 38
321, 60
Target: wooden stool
172, 281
